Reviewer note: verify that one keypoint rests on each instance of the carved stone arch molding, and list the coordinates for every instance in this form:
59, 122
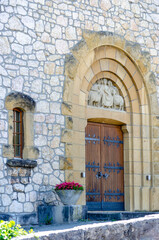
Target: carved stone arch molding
105, 55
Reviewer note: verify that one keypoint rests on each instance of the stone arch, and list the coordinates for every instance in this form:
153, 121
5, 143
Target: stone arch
99, 55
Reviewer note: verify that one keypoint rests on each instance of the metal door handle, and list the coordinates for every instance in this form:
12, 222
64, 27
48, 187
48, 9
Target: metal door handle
105, 175
99, 175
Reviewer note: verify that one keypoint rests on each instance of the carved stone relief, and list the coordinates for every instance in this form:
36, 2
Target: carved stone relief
104, 94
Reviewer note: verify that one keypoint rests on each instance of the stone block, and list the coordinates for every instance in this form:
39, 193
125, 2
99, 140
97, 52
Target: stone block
45, 215
61, 214
4, 46
27, 219
66, 163
154, 198
66, 109
6, 217
156, 156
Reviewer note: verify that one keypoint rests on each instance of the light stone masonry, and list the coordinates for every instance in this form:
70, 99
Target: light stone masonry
35, 36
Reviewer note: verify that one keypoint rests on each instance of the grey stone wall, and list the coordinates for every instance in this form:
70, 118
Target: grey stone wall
136, 229
34, 38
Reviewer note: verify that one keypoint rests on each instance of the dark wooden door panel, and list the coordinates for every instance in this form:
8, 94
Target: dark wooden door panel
104, 167
112, 168
93, 183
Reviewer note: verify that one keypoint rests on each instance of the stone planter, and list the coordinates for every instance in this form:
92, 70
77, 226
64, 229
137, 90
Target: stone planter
69, 197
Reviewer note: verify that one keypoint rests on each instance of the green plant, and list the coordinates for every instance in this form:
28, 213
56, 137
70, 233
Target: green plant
48, 220
8, 230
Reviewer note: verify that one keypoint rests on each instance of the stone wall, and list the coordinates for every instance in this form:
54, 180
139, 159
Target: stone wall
141, 228
35, 36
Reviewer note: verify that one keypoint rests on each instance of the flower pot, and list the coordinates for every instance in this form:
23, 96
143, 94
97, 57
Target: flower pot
69, 197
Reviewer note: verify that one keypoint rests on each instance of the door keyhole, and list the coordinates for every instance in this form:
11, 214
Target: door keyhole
99, 175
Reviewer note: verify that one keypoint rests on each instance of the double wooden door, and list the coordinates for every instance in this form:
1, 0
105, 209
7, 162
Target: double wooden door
104, 167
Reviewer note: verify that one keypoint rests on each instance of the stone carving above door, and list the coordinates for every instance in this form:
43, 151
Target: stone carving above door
104, 94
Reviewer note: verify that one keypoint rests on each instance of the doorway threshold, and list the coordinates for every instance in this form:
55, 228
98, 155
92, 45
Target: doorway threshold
116, 215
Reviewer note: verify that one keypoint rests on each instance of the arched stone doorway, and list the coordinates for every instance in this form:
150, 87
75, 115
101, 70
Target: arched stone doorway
101, 55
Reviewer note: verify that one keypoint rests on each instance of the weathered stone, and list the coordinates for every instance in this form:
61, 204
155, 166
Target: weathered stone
33, 196
28, 188
17, 84
155, 18
69, 122
56, 32
4, 17
18, 187
9, 189
66, 109
21, 163
16, 207
4, 46
49, 68
23, 38
15, 24
28, 22
50, 48
3, 71
38, 45
53, 180
70, 66
17, 48
28, 207
6, 201
26, 102
66, 163
43, 106
27, 219
36, 86
40, 56
45, 38
55, 108
21, 197
49, 197
39, 26
94, 3
71, 33
46, 168
37, 178
55, 142
105, 5
55, 96
62, 46
21, 10
61, 20
41, 140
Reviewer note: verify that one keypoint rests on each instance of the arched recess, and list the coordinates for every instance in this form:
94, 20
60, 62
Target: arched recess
103, 55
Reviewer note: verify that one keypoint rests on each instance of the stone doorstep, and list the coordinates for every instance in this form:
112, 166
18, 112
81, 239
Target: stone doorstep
117, 215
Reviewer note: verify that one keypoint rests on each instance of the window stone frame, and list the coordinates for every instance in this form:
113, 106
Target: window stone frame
30, 153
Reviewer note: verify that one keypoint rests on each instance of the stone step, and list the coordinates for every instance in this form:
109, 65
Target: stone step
110, 216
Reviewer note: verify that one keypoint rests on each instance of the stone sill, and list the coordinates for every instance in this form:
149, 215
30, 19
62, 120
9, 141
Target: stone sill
21, 163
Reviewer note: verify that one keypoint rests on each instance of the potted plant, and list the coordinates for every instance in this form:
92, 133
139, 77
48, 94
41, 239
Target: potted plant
69, 192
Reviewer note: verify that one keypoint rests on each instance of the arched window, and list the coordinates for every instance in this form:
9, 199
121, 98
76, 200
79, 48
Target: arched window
20, 149
18, 133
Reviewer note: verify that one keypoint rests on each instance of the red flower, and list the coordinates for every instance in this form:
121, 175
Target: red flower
68, 185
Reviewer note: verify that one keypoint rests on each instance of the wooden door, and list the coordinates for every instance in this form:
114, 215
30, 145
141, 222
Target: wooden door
104, 167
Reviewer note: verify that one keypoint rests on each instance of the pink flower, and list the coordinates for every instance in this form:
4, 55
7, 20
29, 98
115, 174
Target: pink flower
68, 185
